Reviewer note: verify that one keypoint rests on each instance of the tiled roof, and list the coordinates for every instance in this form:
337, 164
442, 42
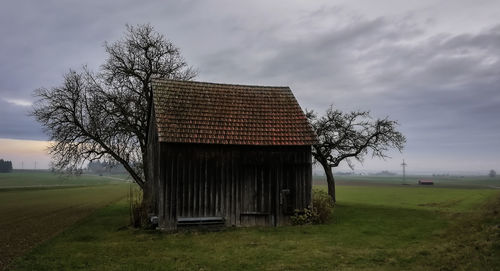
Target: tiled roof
198, 112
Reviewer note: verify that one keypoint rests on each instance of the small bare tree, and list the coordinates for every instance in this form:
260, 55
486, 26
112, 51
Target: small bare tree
106, 115
347, 136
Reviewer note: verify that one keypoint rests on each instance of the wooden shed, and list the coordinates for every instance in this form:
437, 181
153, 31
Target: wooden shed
232, 154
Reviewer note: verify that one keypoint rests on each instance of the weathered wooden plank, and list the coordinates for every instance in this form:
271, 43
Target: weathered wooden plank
208, 187
218, 178
301, 188
228, 180
165, 179
279, 186
183, 194
217, 191
205, 185
193, 184
238, 191
269, 207
200, 184
212, 185
189, 183
255, 188
308, 176
171, 190
223, 195
263, 188
296, 186
174, 190
233, 190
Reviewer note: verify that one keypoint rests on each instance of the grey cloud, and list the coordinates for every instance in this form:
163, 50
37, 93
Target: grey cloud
442, 87
42, 40
15, 122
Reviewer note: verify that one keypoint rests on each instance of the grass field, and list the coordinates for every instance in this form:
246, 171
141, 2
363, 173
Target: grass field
36, 213
33, 179
374, 227
440, 181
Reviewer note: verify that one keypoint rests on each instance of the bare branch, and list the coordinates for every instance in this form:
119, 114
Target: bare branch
105, 115
353, 135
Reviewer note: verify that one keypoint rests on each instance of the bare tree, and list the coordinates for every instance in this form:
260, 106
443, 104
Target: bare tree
105, 115
492, 173
347, 136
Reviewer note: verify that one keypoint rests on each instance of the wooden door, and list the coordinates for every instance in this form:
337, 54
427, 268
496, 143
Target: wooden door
257, 192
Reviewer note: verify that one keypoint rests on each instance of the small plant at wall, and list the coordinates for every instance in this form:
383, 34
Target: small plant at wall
138, 213
319, 213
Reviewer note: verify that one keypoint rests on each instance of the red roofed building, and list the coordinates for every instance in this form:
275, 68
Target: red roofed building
230, 154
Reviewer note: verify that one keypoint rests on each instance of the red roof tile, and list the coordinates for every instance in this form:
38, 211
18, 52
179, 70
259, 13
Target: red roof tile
198, 112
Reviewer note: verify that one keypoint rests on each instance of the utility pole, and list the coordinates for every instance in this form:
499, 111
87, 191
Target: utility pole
404, 171
35, 164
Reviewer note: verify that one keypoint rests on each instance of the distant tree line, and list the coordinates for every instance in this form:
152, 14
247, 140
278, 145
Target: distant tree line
441, 175
5, 166
105, 167
347, 173
385, 173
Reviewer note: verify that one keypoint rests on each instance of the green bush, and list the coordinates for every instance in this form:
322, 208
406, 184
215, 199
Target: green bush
319, 213
304, 217
323, 204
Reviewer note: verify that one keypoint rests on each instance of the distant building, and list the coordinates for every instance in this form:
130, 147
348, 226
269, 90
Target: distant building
425, 182
228, 154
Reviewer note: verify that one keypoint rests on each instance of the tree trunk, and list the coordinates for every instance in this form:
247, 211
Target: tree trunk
329, 180
147, 207
148, 193
147, 197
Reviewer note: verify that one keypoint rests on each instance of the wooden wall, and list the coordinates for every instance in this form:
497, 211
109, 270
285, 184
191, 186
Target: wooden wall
246, 185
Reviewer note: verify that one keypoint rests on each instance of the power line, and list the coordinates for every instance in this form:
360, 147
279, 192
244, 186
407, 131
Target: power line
404, 171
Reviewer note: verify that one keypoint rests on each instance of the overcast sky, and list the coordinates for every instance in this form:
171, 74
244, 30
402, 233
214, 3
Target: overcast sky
432, 65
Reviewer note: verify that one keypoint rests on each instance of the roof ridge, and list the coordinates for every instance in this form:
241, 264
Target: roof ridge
165, 80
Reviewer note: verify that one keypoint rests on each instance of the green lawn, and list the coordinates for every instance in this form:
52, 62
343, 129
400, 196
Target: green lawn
30, 216
382, 228
421, 198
